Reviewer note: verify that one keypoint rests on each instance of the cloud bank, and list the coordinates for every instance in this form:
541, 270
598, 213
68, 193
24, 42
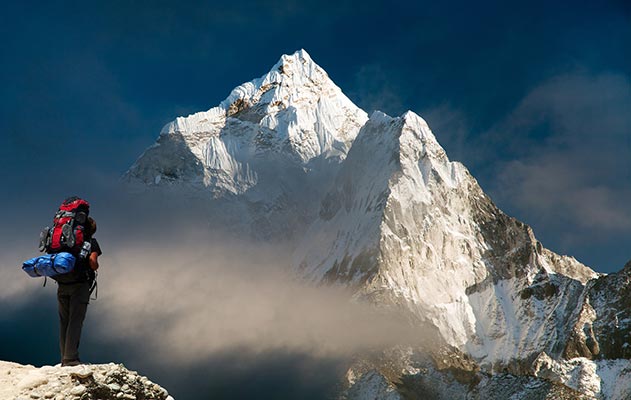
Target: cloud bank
194, 300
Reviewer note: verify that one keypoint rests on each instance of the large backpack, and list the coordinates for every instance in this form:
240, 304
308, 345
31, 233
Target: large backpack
68, 231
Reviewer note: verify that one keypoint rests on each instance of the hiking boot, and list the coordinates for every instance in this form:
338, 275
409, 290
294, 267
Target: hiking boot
70, 363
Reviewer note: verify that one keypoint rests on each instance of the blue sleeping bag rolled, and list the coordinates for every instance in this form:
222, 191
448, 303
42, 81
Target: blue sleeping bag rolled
49, 265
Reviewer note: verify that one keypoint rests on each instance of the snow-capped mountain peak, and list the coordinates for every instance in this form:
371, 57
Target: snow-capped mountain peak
292, 116
277, 89
376, 205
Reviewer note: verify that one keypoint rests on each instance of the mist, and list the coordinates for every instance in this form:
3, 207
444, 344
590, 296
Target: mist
187, 300
193, 301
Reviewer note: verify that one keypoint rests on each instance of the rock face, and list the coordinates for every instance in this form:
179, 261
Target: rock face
603, 329
382, 210
99, 381
405, 374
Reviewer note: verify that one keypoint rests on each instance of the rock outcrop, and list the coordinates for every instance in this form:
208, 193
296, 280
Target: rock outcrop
85, 382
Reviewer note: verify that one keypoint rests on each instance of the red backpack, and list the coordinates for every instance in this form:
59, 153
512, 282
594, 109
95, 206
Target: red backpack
67, 233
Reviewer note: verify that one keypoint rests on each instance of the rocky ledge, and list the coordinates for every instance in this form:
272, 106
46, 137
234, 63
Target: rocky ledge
84, 382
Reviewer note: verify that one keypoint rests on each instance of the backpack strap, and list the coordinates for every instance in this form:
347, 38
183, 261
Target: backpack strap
94, 288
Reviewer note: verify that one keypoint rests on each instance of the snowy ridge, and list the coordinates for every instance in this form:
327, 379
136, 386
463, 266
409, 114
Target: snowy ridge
410, 228
354, 233
386, 149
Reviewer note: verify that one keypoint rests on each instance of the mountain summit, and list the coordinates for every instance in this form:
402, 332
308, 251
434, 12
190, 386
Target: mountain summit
293, 116
375, 205
268, 150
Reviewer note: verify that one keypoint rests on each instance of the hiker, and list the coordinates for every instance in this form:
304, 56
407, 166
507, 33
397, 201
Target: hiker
72, 258
73, 295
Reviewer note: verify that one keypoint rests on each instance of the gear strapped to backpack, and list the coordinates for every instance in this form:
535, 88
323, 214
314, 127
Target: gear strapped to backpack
67, 244
68, 231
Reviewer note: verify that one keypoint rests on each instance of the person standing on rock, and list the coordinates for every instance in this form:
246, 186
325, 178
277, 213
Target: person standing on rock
73, 296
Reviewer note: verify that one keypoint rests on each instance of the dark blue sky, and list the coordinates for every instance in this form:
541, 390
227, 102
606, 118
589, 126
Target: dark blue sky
534, 97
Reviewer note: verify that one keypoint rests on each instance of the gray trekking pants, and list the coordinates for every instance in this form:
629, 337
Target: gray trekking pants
73, 302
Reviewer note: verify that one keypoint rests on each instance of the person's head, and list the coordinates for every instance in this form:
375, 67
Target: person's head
90, 227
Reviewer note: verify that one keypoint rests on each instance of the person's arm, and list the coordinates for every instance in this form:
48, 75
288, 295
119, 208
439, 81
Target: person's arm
94, 261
